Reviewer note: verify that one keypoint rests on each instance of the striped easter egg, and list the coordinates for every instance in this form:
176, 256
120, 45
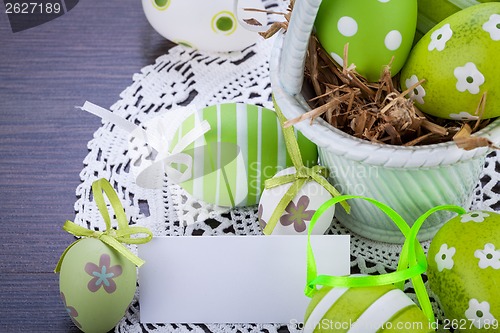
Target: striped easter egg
364, 309
243, 148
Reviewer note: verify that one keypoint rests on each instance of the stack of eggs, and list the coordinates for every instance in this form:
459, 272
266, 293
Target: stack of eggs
457, 58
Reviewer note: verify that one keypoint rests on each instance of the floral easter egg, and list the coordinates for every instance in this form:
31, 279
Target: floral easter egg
464, 270
431, 12
96, 284
364, 309
243, 148
375, 30
205, 25
458, 59
299, 212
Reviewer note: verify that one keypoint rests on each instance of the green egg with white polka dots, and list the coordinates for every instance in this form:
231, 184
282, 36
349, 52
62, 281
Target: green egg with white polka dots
376, 31
458, 59
464, 271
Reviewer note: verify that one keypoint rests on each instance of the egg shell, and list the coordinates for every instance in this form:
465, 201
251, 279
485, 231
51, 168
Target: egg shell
364, 309
204, 25
464, 270
97, 285
458, 59
253, 134
375, 30
431, 12
297, 215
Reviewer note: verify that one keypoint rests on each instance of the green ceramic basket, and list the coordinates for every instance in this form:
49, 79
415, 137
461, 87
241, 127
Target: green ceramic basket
409, 179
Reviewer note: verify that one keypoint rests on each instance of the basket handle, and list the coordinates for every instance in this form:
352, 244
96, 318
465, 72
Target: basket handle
296, 43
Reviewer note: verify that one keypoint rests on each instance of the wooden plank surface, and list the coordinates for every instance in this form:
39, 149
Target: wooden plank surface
91, 53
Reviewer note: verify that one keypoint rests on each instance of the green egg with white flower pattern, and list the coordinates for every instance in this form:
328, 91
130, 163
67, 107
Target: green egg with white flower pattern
458, 59
431, 12
97, 284
464, 270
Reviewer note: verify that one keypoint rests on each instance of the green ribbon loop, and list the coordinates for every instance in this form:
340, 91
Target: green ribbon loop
301, 176
411, 265
114, 238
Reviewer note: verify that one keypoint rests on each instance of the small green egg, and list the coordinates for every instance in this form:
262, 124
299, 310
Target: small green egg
97, 284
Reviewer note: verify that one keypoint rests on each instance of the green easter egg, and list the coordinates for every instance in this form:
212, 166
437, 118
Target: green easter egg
364, 309
243, 148
375, 30
458, 59
431, 12
96, 284
464, 271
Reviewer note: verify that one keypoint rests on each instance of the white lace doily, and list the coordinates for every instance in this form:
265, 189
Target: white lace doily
184, 76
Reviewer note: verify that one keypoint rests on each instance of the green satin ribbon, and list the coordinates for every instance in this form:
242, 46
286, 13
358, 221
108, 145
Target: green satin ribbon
412, 262
111, 237
301, 176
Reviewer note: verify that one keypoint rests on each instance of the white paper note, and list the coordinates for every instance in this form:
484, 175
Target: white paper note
233, 279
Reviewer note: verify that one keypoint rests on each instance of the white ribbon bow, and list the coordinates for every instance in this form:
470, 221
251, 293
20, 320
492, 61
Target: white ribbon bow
148, 148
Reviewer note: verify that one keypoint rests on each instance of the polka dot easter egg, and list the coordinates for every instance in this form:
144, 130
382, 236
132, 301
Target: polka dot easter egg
96, 284
243, 148
376, 31
364, 309
204, 25
458, 59
464, 270
297, 215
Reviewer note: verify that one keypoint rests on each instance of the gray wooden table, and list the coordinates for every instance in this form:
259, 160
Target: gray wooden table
89, 53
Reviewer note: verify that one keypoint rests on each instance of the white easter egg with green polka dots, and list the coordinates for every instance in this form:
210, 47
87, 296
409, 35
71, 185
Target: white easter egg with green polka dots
243, 148
464, 270
376, 31
458, 59
204, 25
364, 309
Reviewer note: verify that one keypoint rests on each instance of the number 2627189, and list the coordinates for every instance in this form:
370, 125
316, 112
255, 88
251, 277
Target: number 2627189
33, 8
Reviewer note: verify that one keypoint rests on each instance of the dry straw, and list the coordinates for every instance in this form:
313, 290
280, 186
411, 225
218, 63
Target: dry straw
374, 111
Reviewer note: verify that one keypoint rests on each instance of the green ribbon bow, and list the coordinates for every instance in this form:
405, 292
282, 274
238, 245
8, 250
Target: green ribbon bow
111, 237
412, 261
301, 176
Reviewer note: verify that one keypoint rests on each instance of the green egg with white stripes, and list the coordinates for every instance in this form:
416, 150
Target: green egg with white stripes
244, 147
364, 309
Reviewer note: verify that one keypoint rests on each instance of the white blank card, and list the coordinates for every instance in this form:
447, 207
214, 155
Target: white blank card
233, 279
